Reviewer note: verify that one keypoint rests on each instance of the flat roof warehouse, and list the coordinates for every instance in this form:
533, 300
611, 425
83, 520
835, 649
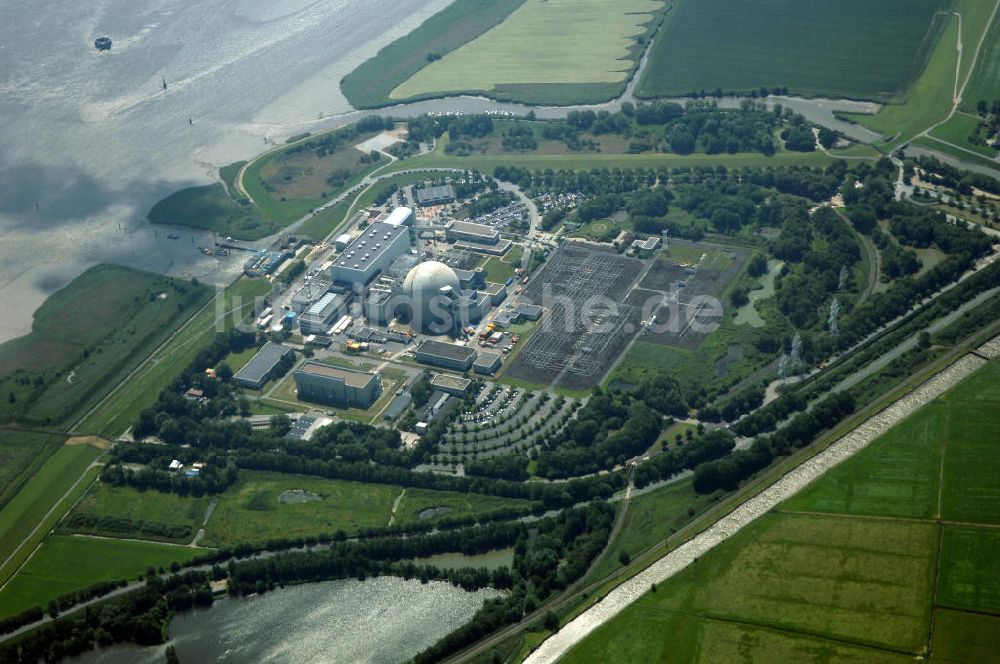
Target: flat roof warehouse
367, 247
351, 378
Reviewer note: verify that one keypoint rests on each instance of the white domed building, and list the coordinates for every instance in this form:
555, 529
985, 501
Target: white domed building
434, 301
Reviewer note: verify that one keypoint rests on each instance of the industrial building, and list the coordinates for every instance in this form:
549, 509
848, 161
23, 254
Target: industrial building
471, 279
401, 216
487, 363
449, 384
261, 366
649, 244
463, 230
310, 293
445, 355
370, 253
435, 195
320, 317
433, 300
336, 386
498, 249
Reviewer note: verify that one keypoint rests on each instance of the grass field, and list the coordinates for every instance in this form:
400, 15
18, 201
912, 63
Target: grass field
66, 563
31, 505
22, 453
86, 337
370, 84
958, 130
118, 412
952, 151
501, 268
543, 42
857, 49
416, 501
211, 208
148, 507
847, 569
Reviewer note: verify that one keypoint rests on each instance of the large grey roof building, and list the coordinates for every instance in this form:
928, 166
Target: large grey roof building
448, 356
464, 230
370, 252
261, 366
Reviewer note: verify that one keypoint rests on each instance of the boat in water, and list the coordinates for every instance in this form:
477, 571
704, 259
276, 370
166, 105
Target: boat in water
103, 43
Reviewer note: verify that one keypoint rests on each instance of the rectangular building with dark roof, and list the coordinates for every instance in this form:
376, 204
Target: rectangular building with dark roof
336, 386
464, 230
445, 355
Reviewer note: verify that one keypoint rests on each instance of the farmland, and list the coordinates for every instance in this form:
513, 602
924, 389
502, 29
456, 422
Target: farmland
64, 564
370, 84
86, 337
883, 528
985, 82
838, 49
532, 50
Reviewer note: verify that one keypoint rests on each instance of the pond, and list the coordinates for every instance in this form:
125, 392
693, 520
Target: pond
383, 620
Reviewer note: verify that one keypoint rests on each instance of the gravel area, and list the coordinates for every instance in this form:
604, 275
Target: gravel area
793, 482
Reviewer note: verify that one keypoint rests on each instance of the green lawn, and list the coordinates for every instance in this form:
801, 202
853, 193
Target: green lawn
957, 132
838, 49
370, 84
542, 43
40, 495
116, 414
67, 563
86, 337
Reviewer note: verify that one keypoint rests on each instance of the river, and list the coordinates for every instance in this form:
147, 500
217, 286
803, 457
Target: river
384, 620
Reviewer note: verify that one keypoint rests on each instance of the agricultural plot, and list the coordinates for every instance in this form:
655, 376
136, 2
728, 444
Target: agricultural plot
857, 49
64, 564
846, 569
119, 511
985, 81
580, 335
585, 47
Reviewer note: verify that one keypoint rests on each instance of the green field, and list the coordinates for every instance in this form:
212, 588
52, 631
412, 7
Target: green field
651, 518
117, 413
853, 567
535, 46
957, 132
22, 453
839, 49
501, 268
149, 507
416, 501
370, 84
65, 563
985, 82
30, 507
86, 337
930, 98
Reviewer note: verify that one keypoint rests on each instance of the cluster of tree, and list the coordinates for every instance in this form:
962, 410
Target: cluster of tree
78, 522
612, 428
826, 250
504, 467
519, 139
486, 203
704, 128
744, 401
559, 553
210, 481
938, 172
896, 261
703, 448
137, 617
727, 472
921, 228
